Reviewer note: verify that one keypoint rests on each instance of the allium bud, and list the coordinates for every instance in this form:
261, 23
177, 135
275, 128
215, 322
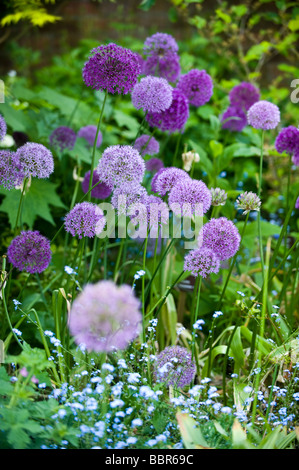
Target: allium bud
219, 196
248, 201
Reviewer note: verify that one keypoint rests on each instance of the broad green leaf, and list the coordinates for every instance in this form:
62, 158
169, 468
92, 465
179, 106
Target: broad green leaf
191, 434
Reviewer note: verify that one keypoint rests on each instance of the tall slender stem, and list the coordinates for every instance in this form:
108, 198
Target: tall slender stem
259, 213
195, 316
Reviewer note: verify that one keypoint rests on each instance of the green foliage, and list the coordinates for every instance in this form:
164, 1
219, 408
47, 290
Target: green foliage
32, 11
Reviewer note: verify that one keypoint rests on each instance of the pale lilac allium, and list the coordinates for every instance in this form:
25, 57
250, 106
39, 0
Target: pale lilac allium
202, 262
288, 140
152, 211
295, 158
197, 86
221, 236
175, 117
166, 66
154, 164
101, 191
248, 201
127, 195
105, 317
112, 68
30, 251
160, 44
85, 220
63, 138
166, 178
147, 145
244, 95
89, 134
35, 160
174, 366
263, 115
10, 175
190, 197
3, 127
152, 94
234, 119
219, 196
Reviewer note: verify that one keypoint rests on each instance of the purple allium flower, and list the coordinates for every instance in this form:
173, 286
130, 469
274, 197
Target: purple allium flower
30, 251
89, 134
219, 196
85, 220
297, 204
287, 140
202, 262
121, 164
160, 44
244, 95
154, 164
166, 178
167, 66
112, 68
105, 317
20, 138
174, 366
63, 138
147, 145
248, 201
10, 176
234, 119
175, 117
152, 94
35, 160
126, 195
151, 211
263, 115
197, 86
101, 191
3, 127
295, 158
221, 236
190, 197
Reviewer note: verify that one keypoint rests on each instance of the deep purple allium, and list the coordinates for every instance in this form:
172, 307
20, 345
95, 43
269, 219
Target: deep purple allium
3, 127
85, 220
147, 145
234, 119
152, 94
166, 178
35, 160
202, 262
30, 252
263, 115
20, 138
175, 117
174, 366
297, 204
101, 191
167, 66
248, 201
221, 236
105, 317
219, 196
121, 164
244, 95
287, 140
154, 164
89, 134
112, 68
63, 138
189, 197
160, 44
10, 176
197, 86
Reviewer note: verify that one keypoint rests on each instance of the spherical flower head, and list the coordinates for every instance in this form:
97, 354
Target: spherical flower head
166, 178
147, 145
263, 115
3, 127
126, 196
287, 140
105, 317
248, 201
152, 212
166, 66
152, 94
244, 95
121, 164
197, 86
10, 176
101, 191
154, 164
89, 134
190, 197
112, 68
160, 44
35, 160
234, 119
221, 236
219, 197
85, 220
202, 262
30, 251
174, 366
297, 204
175, 117
63, 138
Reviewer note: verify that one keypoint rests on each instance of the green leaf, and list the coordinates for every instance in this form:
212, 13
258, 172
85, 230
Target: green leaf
191, 434
294, 24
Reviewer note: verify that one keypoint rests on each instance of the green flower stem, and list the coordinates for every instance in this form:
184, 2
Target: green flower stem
20, 205
197, 290
225, 364
143, 286
259, 212
177, 148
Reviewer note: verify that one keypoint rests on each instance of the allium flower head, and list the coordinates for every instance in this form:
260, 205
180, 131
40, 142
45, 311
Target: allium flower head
152, 212
30, 251
112, 68
219, 196
126, 195
263, 115
105, 317
63, 138
35, 160
295, 158
166, 178
166, 66
121, 164
101, 191
288, 140
234, 119
152, 94
189, 197
244, 95
146, 145
248, 201
154, 164
297, 204
160, 44
85, 220
10, 176
202, 262
197, 86
175, 117
221, 236
3, 127
174, 366
89, 134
